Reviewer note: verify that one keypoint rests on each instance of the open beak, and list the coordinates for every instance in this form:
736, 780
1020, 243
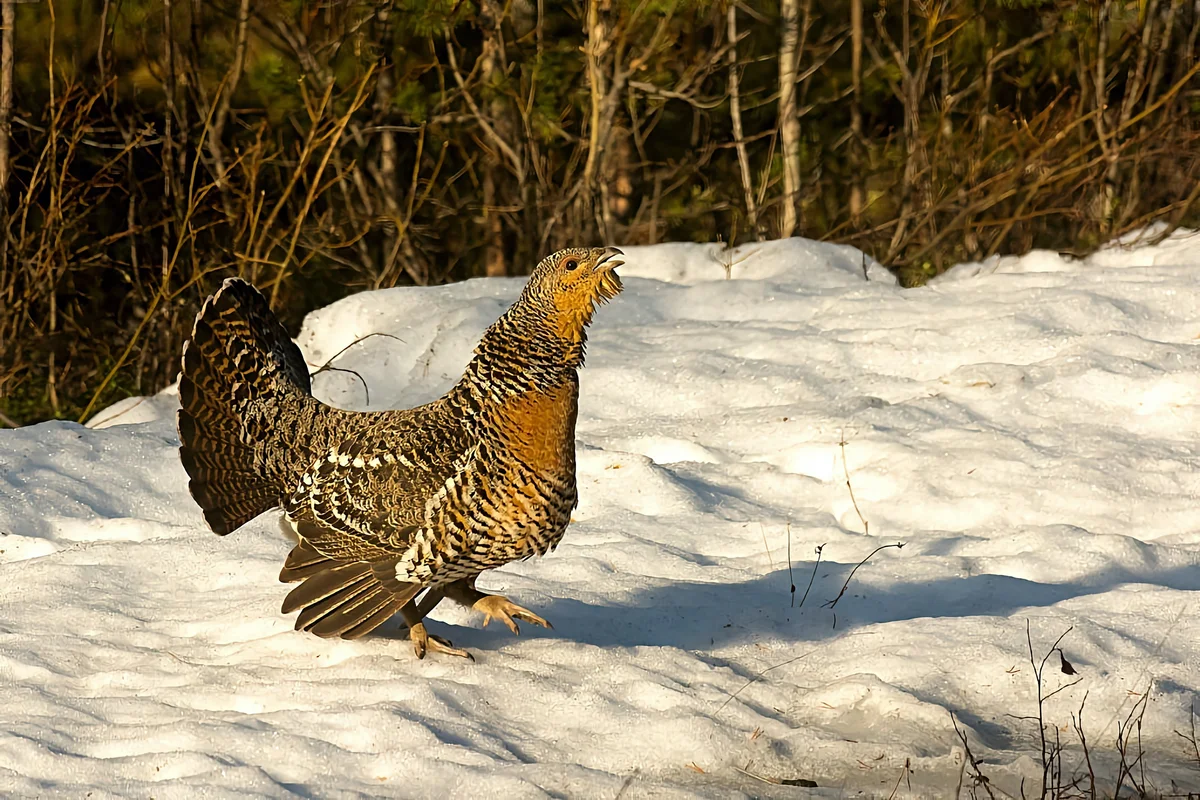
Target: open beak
608, 282
606, 263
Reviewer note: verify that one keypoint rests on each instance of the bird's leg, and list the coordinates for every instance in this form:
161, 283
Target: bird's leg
429, 602
491, 605
426, 606
421, 639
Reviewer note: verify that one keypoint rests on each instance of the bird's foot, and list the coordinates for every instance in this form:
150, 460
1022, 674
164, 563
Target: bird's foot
423, 641
505, 610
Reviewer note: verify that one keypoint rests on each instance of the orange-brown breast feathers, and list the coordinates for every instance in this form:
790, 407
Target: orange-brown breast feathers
538, 428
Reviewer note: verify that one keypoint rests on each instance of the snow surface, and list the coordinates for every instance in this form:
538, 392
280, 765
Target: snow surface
1028, 427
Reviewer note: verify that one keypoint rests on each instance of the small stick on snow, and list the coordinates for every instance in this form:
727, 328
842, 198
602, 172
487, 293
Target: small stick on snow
1136, 713
802, 782
904, 773
978, 778
327, 366
746, 771
1192, 738
846, 472
791, 580
816, 564
766, 547
1087, 755
759, 676
846, 585
1048, 755
94, 422
626, 785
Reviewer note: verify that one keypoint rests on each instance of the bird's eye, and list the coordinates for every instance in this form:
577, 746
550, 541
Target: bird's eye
572, 264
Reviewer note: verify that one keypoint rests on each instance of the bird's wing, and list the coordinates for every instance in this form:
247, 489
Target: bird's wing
365, 498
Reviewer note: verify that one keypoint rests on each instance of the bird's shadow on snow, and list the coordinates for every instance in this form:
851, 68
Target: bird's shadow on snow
700, 616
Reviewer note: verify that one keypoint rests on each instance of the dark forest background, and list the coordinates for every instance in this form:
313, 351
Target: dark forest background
151, 148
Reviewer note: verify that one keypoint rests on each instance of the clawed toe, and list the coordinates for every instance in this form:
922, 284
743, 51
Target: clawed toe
507, 612
423, 642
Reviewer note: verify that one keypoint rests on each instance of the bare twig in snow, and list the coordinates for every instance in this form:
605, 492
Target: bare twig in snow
791, 580
832, 603
1048, 752
1077, 723
97, 422
977, 776
766, 547
759, 676
905, 773
328, 365
1191, 738
846, 472
816, 564
804, 782
625, 786
1131, 761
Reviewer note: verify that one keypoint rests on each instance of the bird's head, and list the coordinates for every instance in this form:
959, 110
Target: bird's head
566, 287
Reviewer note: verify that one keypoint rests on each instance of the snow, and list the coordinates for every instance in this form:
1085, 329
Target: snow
1027, 427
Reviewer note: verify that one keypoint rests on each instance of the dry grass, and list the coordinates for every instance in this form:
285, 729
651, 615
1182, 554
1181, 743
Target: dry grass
1082, 769
430, 146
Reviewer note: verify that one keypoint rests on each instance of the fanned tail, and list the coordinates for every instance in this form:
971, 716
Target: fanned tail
337, 598
245, 403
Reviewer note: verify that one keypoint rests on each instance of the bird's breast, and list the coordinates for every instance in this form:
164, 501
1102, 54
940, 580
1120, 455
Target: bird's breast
537, 429
526, 488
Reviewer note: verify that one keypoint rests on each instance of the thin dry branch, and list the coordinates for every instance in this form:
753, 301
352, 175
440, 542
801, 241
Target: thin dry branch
759, 677
1049, 752
850, 488
328, 365
515, 162
977, 776
360, 98
735, 114
1190, 738
216, 136
833, 603
819, 549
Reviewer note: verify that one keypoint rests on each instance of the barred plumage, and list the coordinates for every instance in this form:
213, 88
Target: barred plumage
389, 504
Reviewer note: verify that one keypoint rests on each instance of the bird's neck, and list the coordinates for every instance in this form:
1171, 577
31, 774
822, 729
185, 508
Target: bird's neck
524, 351
538, 335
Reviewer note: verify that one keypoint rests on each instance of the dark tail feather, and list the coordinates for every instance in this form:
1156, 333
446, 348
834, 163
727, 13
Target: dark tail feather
325, 583
343, 600
244, 393
366, 624
302, 562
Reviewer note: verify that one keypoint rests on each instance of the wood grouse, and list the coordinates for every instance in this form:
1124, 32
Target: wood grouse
388, 504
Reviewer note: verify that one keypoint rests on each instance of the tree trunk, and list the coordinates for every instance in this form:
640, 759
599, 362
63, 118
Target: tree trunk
1107, 136
171, 187
607, 91
216, 132
389, 180
858, 193
491, 66
789, 122
735, 113
597, 44
6, 78
912, 90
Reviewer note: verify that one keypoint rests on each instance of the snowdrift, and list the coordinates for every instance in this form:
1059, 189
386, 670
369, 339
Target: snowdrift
1028, 428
